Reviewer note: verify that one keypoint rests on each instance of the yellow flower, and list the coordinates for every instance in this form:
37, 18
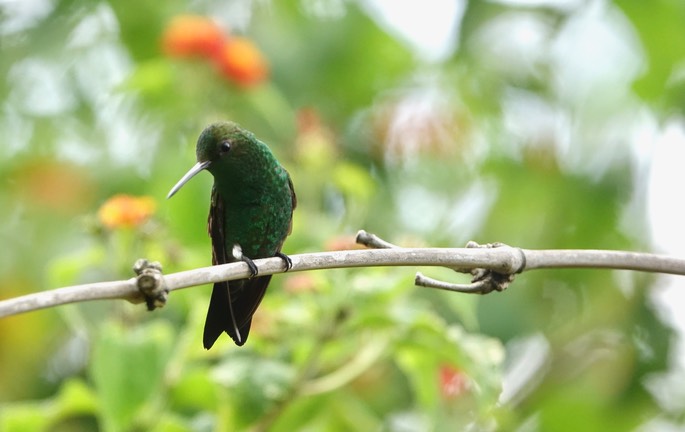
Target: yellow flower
126, 211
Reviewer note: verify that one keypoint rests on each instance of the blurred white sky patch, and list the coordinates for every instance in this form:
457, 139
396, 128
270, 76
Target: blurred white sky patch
666, 184
18, 15
666, 215
596, 56
552, 4
431, 27
514, 43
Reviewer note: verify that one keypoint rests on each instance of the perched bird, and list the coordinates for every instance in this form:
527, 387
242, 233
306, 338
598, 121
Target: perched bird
250, 216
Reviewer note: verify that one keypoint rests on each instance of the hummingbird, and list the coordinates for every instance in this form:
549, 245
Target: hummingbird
250, 215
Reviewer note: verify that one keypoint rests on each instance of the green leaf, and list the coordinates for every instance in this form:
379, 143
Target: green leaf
127, 368
23, 417
253, 383
659, 24
195, 390
75, 398
354, 181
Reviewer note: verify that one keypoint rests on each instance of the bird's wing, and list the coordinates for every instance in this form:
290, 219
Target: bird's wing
233, 303
293, 197
219, 313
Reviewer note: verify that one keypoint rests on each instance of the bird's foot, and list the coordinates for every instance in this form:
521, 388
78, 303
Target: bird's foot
238, 255
286, 260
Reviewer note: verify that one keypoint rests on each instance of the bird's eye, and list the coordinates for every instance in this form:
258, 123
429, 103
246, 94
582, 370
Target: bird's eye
224, 147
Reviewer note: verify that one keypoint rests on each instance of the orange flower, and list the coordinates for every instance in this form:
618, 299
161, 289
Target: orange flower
126, 211
240, 60
191, 36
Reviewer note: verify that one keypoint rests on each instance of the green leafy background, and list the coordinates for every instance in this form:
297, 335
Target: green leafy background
510, 139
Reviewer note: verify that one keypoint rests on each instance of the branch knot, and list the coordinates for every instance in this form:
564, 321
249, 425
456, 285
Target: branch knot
151, 283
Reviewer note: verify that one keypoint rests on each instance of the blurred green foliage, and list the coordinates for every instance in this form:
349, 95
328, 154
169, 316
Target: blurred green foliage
521, 134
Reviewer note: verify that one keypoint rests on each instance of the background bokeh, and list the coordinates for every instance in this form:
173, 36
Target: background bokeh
541, 124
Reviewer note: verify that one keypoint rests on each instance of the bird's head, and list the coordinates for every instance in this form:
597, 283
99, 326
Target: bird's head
221, 148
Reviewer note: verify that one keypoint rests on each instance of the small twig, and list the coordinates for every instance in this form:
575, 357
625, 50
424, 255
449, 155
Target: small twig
484, 280
480, 287
373, 241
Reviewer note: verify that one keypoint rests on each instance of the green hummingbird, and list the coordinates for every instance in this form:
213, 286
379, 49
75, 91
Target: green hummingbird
250, 216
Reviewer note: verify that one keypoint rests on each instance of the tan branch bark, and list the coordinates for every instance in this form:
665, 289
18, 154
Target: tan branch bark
502, 260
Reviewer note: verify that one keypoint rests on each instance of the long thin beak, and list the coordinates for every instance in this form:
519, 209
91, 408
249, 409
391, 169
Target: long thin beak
190, 174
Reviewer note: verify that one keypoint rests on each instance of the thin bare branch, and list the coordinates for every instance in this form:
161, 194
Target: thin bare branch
502, 260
